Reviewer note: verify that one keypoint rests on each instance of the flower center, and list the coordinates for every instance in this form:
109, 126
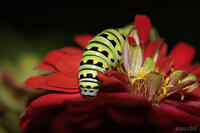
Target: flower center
156, 86
149, 84
146, 80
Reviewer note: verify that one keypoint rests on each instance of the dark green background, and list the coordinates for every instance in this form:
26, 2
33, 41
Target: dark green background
45, 25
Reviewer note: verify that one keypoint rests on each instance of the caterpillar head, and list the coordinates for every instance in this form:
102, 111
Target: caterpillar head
86, 92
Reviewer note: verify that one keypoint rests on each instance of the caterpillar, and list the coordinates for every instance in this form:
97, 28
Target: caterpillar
103, 52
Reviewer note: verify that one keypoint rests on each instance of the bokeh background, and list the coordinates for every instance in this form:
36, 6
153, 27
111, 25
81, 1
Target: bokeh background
30, 29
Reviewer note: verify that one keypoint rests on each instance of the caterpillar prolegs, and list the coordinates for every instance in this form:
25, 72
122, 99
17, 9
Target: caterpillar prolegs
103, 52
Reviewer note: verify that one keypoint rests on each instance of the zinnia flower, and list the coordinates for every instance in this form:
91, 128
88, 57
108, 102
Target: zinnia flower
150, 92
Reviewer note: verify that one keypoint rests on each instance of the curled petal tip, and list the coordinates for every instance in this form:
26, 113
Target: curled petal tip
182, 54
143, 25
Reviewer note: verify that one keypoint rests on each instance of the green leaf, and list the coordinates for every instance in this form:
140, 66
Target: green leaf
10, 121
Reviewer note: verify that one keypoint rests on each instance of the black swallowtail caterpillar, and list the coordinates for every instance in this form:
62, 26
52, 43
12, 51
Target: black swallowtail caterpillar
103, 52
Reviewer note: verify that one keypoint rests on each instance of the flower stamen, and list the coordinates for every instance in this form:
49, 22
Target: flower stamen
147, 79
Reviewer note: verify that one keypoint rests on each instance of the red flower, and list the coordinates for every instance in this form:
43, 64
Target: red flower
168, 100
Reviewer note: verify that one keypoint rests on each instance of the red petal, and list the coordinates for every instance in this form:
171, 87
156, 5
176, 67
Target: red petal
32, 82
79, 117
179, 115
143, 25
72, 51
126, 117
69, 64
197, 72
112, 84
76, 108
39, 120
158, 118
39, 82
118, 75
185, 67
52, 56
196, 92
131, 40
190, 108
153, 47
62, 81
124, 99
24, 123
183, 54
60, 125
44, 108
103, 100
121, 107
120, 99
82, 40
166, 65
161, 55
92, 124
43, 85
53, 100
46, 66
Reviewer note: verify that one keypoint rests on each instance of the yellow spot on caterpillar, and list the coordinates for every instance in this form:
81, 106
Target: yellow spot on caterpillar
85, 74
116, 47
88, 48
104, 66
83, 84
95, 62
84, 61
92, 85
109, 38
109, 56
94, 75
100, 49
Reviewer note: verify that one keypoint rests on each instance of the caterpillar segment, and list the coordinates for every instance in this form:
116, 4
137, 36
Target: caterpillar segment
103, 52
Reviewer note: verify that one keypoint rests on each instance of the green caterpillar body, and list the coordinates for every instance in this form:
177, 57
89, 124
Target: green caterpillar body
103, 52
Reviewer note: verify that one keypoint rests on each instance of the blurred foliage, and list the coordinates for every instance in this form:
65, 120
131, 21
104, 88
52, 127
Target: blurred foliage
18, 57
14, 43
13, 98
